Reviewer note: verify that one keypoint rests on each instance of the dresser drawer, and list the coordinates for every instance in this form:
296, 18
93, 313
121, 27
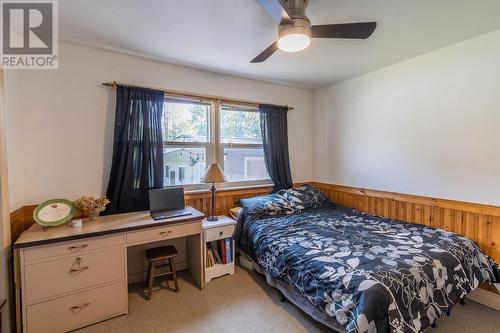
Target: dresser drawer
56, 277
73, 247
77, 310
168, 232
219, 232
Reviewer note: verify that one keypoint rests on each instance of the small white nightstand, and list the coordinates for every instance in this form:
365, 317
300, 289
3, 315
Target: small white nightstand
214, 234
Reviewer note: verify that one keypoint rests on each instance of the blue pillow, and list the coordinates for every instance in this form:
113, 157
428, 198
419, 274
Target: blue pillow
306, 196
271, 204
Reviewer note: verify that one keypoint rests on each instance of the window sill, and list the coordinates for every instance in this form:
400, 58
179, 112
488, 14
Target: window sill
231, 188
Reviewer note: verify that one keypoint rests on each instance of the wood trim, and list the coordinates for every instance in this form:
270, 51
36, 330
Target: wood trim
481, 223
19, 222
22, 218
442, 203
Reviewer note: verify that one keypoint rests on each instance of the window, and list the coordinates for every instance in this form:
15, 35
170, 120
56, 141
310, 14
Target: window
186, 141
241, 141
197, 133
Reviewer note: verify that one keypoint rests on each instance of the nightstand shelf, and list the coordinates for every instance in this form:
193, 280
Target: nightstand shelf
217, 235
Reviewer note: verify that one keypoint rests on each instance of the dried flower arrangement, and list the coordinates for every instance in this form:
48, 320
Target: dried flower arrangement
90, 206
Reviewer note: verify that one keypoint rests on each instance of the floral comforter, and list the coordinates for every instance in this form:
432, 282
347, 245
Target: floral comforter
369, 273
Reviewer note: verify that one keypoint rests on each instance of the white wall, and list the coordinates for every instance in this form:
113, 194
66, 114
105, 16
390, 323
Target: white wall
60, 124
15, 138
5, 284
66, 119
427, 126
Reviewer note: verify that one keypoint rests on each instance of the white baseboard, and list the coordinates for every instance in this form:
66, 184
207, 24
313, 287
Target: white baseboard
486, 298
137, 277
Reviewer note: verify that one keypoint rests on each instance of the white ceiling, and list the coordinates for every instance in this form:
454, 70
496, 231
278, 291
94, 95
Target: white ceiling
224, 35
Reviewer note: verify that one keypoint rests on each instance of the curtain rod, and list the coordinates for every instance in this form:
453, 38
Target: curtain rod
192, 95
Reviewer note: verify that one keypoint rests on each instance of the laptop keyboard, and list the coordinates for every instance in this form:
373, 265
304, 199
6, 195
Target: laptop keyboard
172, 214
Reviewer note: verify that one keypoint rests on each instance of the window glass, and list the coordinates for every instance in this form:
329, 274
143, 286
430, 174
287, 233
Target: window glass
242, 164
185, 121
240, 126
183, 165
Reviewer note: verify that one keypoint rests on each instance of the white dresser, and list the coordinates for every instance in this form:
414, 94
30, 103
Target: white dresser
73, 277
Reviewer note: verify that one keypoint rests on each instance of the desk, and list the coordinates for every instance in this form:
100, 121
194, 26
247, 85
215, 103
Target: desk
74, 277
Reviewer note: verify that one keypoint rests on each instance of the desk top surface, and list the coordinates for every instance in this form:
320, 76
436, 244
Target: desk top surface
103, 225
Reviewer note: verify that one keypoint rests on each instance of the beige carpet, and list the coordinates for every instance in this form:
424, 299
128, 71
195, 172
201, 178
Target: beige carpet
245, 303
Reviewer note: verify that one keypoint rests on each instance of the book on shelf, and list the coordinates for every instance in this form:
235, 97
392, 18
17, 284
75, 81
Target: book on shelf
216, 251
210, 258
228, 249
219, 252
222, 243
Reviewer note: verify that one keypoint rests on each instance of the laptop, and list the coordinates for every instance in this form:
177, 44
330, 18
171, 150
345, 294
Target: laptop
167, 203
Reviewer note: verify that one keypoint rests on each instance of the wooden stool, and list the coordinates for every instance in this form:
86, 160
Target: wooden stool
156, 254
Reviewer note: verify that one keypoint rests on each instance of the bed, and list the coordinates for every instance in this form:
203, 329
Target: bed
356, 272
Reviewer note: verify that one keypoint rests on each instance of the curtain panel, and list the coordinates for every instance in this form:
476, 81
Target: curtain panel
273, 122
137, 163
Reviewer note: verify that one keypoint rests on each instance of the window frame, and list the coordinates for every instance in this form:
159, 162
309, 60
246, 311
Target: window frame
214, 147
206, 145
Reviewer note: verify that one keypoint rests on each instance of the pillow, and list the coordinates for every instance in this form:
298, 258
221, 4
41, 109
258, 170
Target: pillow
306, 196
234, 212
270, 204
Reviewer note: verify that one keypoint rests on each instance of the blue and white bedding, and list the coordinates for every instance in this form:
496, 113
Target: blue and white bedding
369, 274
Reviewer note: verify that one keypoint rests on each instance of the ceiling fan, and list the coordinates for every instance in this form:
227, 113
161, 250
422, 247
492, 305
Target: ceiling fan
296, 31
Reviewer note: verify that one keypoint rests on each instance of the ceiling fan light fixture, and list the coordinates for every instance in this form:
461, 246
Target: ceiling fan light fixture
294, 42
294, 38
295, 29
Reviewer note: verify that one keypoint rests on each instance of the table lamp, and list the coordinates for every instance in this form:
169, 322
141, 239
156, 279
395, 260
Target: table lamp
213, 175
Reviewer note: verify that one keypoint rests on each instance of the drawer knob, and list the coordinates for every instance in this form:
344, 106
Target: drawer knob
80, 307
77, 247
221, 233
165, 233
78, 268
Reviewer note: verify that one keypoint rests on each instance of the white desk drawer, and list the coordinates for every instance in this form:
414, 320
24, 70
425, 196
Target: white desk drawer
72, 247
77, 310
168, 232
219, 232
57, 277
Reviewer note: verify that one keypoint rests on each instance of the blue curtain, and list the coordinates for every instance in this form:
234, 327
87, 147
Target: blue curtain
137, 164
273, 123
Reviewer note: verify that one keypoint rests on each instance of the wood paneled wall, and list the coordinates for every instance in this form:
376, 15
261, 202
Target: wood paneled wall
480, 223
22, 218
225, 199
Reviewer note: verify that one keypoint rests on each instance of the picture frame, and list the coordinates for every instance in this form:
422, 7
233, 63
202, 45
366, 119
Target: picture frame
54, 212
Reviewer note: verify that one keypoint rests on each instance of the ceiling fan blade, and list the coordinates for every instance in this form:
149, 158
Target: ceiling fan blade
266, 53
361, 30
274, 9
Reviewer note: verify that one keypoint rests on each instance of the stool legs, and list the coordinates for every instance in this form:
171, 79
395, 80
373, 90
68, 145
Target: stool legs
148, 275
153, 267
174, 273
151, 279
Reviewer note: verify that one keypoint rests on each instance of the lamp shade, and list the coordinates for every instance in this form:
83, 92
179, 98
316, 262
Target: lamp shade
214, 174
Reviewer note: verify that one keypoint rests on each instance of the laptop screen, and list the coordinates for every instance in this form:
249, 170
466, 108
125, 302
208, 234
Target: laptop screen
165, 199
